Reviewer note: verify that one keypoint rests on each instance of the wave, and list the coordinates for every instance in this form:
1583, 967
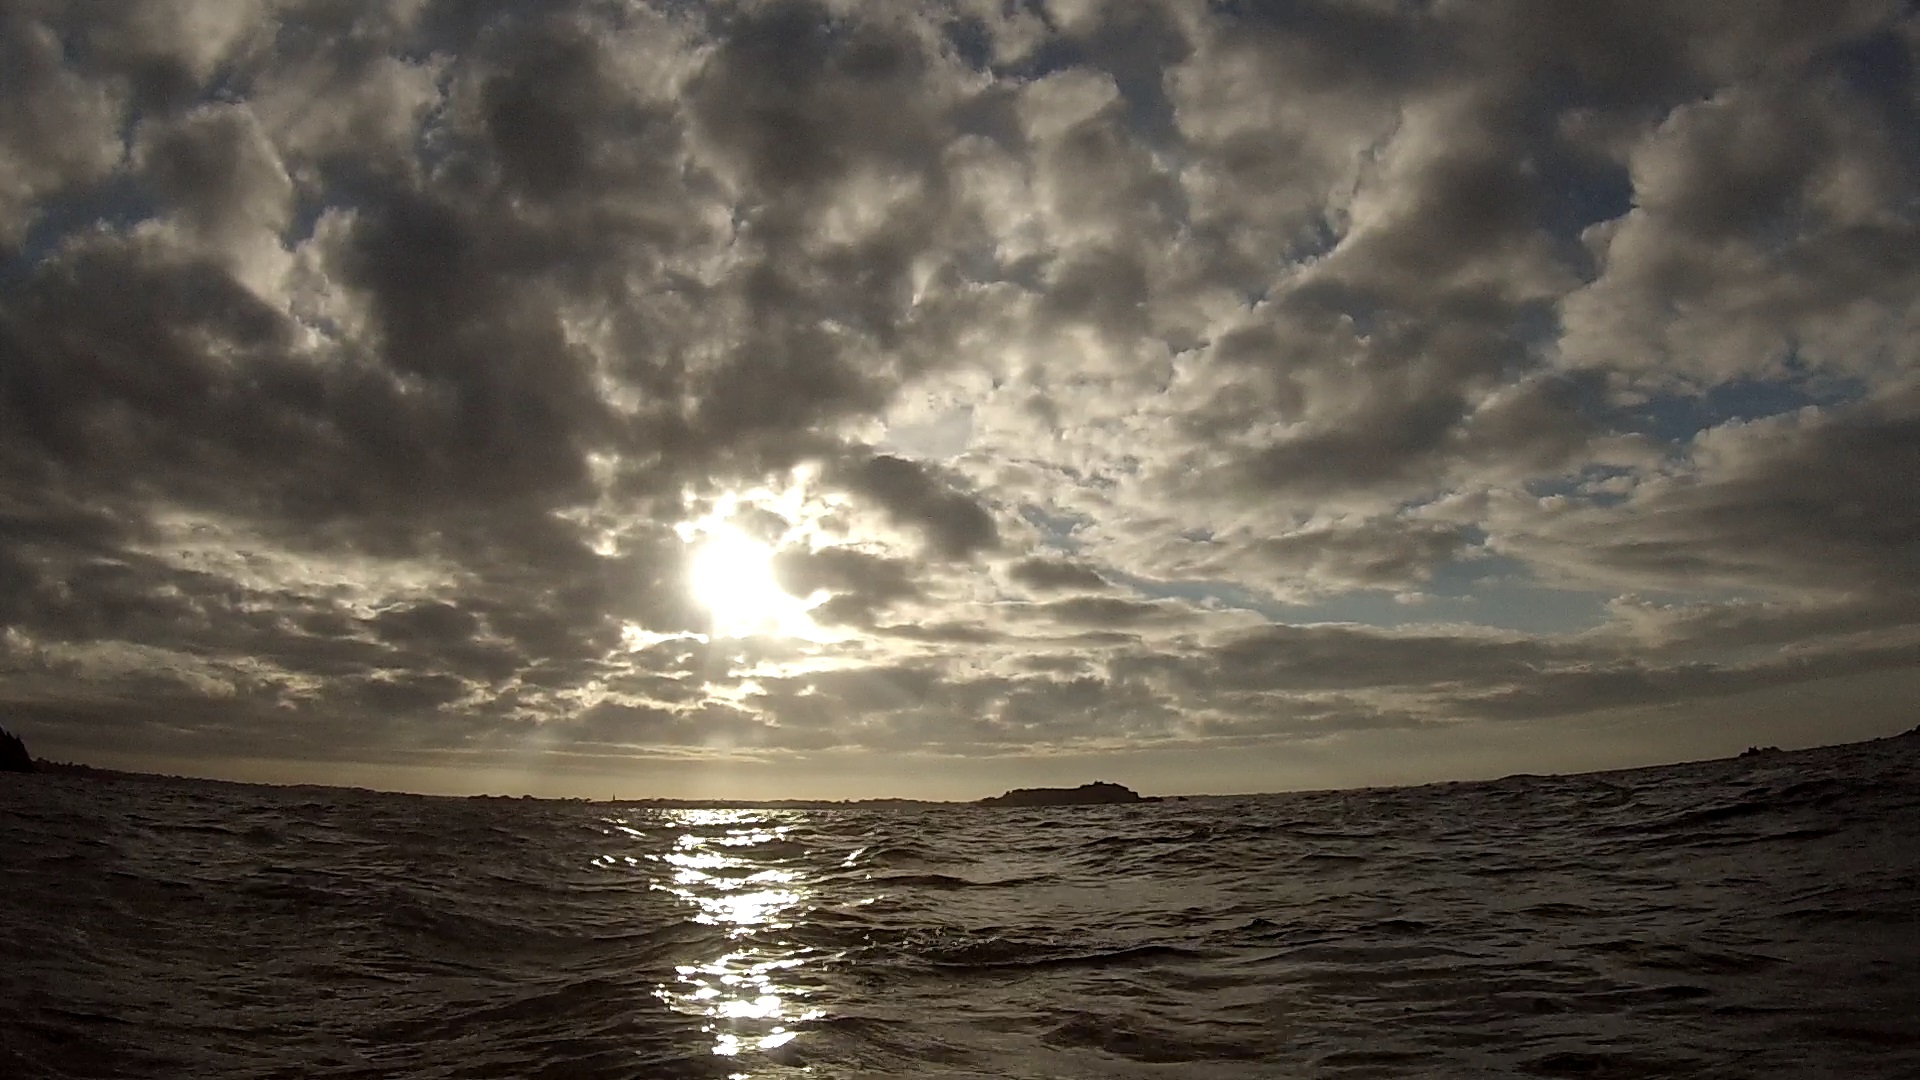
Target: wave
1714, 919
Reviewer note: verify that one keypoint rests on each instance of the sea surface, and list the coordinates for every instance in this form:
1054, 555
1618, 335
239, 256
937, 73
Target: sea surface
1756, 917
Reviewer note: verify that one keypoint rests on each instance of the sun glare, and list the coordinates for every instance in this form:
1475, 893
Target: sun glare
732, 577
730, 570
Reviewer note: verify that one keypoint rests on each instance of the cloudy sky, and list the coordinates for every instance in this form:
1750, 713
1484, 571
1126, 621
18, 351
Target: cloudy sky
807, 399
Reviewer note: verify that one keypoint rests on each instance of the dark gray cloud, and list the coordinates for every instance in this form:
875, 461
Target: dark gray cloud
954, 523
860, 585
1806, 501
1043, 573
378, 380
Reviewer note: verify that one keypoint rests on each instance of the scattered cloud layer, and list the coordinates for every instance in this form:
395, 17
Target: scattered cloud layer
1102, 378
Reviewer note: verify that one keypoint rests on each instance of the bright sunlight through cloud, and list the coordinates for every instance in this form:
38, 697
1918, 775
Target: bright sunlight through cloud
732, 577
731, 572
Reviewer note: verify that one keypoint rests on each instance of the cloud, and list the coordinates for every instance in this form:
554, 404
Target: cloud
1099, 375
1050, 574
61, 134
1762, 236
1803, 503
955, 526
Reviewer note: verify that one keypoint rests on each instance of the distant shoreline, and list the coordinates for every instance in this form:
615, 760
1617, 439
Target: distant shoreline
1018, 797
998, 802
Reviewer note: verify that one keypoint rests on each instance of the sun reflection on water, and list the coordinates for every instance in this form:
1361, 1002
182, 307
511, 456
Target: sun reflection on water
723, 866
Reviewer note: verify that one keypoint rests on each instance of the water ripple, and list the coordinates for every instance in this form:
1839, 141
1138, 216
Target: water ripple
1723, 919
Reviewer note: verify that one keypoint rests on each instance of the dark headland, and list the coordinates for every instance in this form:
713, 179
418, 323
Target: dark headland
1097, 793
13, 753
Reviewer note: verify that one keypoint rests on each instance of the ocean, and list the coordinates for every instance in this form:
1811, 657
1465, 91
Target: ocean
1755, 917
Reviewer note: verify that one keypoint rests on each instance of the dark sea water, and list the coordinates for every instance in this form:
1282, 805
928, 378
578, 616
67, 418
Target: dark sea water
1746, 918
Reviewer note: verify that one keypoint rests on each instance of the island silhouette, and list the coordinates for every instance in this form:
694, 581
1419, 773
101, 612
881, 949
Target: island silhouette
13, 753
1097, 793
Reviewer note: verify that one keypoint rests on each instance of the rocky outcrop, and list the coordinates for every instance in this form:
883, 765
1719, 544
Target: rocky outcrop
13, 753
1096, 793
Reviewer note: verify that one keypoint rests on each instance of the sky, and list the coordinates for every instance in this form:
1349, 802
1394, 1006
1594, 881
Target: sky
588, 397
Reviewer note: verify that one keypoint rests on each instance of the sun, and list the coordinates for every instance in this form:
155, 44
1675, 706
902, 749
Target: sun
731, 575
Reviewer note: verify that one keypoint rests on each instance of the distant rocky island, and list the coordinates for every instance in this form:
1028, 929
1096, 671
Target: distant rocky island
13, 753
1097, 793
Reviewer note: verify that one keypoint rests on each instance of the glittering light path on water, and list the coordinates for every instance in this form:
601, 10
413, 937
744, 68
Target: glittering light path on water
726, 867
